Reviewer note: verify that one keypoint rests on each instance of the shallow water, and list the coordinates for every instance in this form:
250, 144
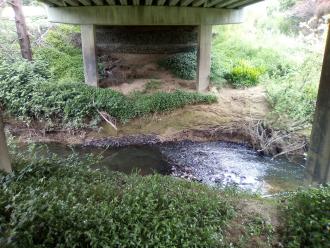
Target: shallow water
213, 163
221, 163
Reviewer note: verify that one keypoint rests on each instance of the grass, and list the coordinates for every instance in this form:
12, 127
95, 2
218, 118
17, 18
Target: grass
290, 69
153, 85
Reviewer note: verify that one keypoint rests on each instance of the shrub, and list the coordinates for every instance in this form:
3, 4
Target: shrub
62, 203
288, 25
294, 96
243, 75
231, 46
184, 65
62, 57
26, 93
307, 218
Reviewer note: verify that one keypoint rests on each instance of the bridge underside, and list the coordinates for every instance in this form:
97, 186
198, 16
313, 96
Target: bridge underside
89, 17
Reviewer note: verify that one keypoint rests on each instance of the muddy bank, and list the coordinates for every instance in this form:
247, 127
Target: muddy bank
265, 142
238, 116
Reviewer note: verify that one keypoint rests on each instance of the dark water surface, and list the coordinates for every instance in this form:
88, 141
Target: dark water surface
213, 163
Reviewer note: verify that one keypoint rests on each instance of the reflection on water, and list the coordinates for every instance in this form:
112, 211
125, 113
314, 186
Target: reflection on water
213, 163
145, 159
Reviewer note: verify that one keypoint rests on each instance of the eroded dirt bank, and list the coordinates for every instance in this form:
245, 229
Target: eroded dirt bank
237, 117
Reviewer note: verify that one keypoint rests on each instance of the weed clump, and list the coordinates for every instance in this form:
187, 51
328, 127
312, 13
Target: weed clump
153, 85
244, 75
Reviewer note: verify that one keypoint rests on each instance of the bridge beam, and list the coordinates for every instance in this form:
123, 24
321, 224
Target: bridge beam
88, 42
318, 163
144, 15
204, 57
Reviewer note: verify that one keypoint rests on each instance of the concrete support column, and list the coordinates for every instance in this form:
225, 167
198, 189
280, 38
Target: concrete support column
204, 57
88, 42
318, 163
4, 157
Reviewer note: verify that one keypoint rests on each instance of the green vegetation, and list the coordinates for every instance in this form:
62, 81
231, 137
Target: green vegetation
50, 201
288, 67
231, 47
183, 65
153, 85
114, 210
51, 88
243, 75
26, 93
256, 232
307, 218
63, 59
57, 202
294, 95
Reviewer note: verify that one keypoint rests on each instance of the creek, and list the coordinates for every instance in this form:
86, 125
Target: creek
212, 163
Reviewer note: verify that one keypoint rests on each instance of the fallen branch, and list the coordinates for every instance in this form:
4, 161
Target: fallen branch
108, 118
273, 142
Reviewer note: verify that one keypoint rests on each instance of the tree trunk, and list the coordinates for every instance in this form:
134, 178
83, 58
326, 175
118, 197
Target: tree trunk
23, 37
4, 156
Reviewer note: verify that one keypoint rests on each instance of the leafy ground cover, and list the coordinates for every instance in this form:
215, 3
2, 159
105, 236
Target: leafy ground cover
50, 201
307, 218
27, 93
53, 202
183, 65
